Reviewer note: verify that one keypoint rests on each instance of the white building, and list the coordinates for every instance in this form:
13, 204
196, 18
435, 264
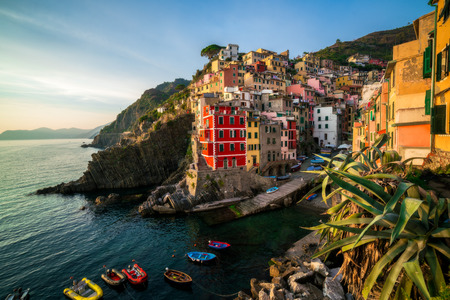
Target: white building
327, 125
231, 51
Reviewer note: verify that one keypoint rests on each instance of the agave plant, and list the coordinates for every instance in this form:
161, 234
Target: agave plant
392, 233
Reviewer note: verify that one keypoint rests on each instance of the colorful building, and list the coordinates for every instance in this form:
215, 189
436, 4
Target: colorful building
439, 94
222, 136
253, 142
408, 120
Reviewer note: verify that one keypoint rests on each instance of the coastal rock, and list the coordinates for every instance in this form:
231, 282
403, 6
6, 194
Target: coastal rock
279, 281
274, 271
262, 295
316, 265
333, 289
276, 294
300, 277
141, 164
255, 287
112, 198
268, 286
289, 271
243, 296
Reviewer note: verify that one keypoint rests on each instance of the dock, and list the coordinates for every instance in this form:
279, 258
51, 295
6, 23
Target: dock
287, 194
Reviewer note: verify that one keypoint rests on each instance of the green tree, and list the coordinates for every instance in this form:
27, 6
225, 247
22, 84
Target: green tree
180, 87
211, 50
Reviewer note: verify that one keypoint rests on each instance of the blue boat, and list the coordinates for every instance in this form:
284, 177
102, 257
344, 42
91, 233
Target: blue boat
218, 245
310, 168
285, 177
312, 196
318, 168
317, 161
201, 257
272, 190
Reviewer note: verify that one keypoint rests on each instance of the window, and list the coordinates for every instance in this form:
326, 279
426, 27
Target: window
221, 134
427, 60
231, 120
445, 12
268, 141
221, 148
232, 134
326, 118
242, 134
319, 119
320, 126
249, 124
326, 125
274, 141
220, 120
256, 135
242, 147
256, 124
268, 156
231, 147
438, 125
249, 135
428, 102
318, 111
241, 121
326, 136
442, 64
274, 129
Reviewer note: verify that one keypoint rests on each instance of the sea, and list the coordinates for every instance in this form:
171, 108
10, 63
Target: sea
47, 241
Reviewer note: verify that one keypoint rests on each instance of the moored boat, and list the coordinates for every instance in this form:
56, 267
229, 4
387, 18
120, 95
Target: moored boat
114, 277
272, 190
311, 197
177, 278
84, 290
284, 177
218, 245
19, 295
201, 257
135, 274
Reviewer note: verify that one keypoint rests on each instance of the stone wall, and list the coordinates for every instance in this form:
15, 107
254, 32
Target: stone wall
437, 160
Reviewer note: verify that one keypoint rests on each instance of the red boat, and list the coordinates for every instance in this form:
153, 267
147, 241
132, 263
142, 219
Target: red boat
135, 274
218, 245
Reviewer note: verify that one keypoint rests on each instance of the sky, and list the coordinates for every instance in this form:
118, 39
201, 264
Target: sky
79, 63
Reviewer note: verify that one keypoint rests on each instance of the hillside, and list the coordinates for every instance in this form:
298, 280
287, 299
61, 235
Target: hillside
47, 133
127, 119
377, 44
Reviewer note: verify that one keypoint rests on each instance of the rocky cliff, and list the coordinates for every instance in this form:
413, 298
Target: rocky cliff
145, 163
127, 120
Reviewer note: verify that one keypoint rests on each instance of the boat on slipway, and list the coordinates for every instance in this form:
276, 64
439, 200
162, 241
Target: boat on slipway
272, 190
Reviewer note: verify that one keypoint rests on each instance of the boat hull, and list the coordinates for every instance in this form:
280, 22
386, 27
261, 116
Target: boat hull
136, 278
218, 245
201, 257
178, 279
116, 278
98, 292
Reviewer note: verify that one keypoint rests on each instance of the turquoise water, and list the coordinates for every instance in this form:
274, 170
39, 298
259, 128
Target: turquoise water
46, 239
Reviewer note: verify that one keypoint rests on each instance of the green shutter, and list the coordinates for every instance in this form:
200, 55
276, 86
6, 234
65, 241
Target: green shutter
438, 119
428, 102
438, 66
427, 62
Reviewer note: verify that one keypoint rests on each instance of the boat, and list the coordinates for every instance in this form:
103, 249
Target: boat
177, 278
135, 275
84, 290
311, 168
218, 245
296, 167
19, 295
114, 277
311, 197
318, 168
317, 161
201, 257
285, 177
272, 190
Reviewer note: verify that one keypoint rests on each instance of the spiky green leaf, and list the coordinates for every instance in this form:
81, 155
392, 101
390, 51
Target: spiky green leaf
408, 208
414, 272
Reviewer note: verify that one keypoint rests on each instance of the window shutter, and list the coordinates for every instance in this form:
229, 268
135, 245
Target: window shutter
427, 62
439, 66
428, 102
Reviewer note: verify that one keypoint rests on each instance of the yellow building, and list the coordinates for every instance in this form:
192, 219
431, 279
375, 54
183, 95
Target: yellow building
217, 65
343, 80
439, 95
253, 56
275, 64
408, 120
253, 143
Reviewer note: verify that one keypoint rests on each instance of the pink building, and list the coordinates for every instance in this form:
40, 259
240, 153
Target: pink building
317, 85
301, 90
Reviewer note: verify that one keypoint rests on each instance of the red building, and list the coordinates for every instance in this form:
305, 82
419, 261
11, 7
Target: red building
229, 77
223, 137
